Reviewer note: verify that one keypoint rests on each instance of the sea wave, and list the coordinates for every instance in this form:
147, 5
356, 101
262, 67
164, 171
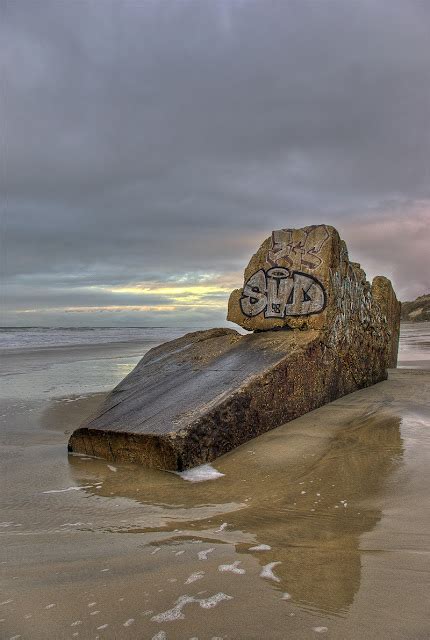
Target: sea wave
38, 337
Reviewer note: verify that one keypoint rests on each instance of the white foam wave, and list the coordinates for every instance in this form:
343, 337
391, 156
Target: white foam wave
267, 571
203, 555
232, 568
128, 622
197, 575
175, 613
200, 474
260, 547
87, 486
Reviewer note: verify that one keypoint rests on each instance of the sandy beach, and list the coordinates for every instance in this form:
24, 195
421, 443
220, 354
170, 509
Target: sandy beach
320, 527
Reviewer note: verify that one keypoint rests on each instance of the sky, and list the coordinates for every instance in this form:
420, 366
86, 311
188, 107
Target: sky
148, 148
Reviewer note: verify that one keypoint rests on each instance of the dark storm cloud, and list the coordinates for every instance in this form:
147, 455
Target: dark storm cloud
146, 140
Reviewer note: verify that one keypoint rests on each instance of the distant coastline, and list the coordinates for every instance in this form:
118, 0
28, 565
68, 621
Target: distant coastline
417, 310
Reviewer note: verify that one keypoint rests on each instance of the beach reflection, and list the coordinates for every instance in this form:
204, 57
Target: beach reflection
303, 491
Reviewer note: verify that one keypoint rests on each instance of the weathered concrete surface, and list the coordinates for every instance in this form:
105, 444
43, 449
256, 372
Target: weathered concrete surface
287, 264
193, 399
303, 279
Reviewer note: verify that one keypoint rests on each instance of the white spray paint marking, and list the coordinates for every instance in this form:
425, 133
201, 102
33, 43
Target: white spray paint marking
76, 623
112, 468
156, 550
175, 613
102, 626
222, 527
260, 547
94, 613
92, 604
50, 606
200, 474
203, 555
232, 568
267, 571
320, 629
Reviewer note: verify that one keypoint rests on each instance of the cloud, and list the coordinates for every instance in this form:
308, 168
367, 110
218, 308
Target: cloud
146, 141
396, 238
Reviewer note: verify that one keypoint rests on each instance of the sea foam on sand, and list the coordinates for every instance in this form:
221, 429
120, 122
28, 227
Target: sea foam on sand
200, 474
176, 612
87, 486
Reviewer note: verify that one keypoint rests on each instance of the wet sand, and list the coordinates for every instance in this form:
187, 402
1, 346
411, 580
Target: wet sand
320, 527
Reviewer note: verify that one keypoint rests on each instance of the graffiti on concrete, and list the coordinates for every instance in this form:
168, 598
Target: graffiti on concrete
352, 299
298, 248
280, 292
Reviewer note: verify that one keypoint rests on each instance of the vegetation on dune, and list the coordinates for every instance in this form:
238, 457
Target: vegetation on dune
418, 310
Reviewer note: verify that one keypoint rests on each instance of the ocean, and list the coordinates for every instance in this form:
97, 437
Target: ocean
414, 338
41, 362
37, 337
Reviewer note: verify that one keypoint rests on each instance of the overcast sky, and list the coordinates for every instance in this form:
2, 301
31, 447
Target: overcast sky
148, 147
